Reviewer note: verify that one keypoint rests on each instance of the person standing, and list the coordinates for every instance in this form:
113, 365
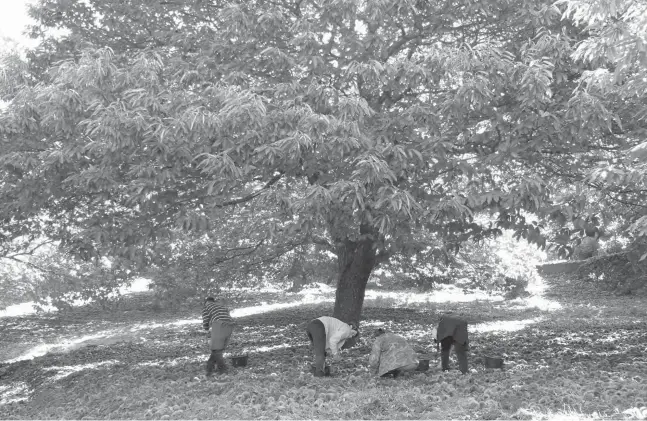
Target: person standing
452, 331
328, 335
391, 355
215, 315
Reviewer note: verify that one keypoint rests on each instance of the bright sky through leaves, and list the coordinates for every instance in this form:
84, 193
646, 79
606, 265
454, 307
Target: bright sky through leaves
13, 20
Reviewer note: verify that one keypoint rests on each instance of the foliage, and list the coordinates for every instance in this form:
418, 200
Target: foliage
502, 264
585, 360
587, 247
311, 264
358, 123
615, 52
238, 254
623, 272
14, 285
52, 277
615, 244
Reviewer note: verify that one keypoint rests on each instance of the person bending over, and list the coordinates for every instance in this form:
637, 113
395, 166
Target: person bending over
391, 355
328, 335
452, 331
216, 316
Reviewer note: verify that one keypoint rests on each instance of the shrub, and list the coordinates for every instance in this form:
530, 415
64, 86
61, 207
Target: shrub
515, 287
587, 248
502, 265
15, 285
53, 277
623, 272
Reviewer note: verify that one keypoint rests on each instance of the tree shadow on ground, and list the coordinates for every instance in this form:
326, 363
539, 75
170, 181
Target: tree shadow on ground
588, 357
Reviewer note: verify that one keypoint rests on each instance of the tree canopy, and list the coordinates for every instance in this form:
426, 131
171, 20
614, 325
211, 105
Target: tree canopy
357, 125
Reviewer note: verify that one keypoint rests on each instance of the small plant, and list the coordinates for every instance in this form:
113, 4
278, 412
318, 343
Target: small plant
515, 287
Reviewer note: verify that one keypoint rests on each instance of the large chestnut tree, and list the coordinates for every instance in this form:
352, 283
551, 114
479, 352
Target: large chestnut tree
354, 124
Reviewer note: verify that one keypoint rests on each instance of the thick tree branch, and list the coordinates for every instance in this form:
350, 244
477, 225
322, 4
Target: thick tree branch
322, 242
249, 250
251, 196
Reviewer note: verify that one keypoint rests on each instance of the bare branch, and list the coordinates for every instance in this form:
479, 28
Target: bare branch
31, 265
29, 252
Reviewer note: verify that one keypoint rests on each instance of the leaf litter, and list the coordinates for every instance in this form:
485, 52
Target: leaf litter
585, 360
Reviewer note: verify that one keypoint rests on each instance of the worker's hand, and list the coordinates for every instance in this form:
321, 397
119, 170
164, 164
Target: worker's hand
337, 357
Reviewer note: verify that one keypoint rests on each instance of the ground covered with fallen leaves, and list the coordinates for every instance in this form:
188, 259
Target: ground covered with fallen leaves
574, 353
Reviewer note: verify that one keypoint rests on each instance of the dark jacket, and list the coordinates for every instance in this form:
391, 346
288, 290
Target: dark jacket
454, 327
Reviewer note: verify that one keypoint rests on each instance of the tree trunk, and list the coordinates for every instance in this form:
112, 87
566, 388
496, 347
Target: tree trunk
297, 275
356, 262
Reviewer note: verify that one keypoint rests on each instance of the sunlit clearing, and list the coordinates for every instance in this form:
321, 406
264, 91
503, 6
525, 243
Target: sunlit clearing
571, 414
65, 346
148, 326
106, 337
109, 337
266, 348
70, 369
449, 293
238, 312
370, 326
317, 288
538, 302
14, 392
173, 362
27, 308
373, 324
504, 325
417, 333
22, 309
264, 307
138, 285
311, 294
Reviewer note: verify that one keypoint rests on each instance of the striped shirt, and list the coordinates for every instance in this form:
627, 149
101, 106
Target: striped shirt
214, 311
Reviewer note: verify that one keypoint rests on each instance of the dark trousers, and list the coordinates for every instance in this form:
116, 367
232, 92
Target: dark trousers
216, 359
317, 335
461, 353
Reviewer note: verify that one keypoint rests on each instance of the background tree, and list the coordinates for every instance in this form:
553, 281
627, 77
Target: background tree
607, 197
355, 124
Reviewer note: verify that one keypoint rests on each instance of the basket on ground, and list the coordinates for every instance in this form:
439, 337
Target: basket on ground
239, 360
493, 362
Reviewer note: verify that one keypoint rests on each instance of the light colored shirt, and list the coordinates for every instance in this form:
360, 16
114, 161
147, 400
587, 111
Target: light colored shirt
390, 352
336, 334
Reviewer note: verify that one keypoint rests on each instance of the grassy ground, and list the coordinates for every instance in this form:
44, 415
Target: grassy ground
578, 353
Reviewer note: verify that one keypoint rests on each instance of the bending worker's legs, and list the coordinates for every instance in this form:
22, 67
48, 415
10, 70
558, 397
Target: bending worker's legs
317, 334
220, 334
